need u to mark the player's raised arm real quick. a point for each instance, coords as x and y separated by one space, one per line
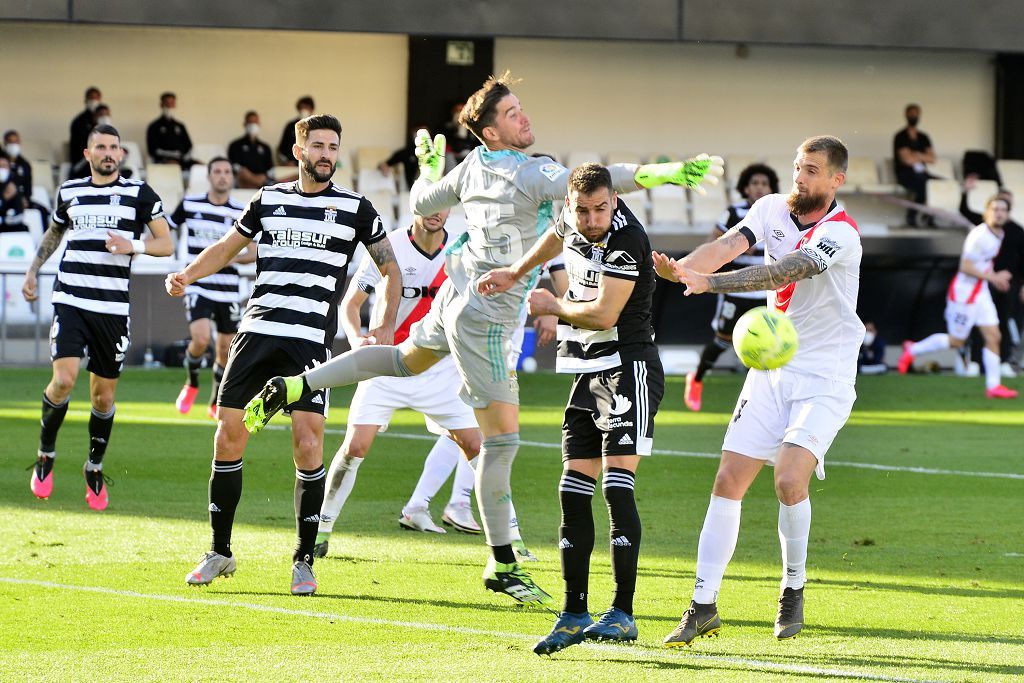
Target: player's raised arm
692 173
209 261
433 191
502 279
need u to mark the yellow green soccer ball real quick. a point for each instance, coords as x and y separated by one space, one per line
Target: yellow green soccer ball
764 339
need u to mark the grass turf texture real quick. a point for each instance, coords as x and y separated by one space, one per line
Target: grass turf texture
911 576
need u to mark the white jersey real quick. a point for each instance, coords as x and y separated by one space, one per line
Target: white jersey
980 248
823 308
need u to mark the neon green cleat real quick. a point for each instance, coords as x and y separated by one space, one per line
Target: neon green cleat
515 582
276 394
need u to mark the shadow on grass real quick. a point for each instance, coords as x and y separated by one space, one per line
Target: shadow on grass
342 598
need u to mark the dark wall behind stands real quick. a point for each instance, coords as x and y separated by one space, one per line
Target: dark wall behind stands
987 25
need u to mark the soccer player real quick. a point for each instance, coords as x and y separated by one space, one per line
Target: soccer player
789 416
607 341
755 181
507 197
103 218
969 302
206 219
305 233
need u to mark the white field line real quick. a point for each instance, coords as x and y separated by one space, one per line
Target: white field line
555 446
635 651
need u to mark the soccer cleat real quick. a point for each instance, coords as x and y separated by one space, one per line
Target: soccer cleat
791 613
211 411
209 568
568 630
419 519
699 621
515 582
320 549
692 392
613 625
275 395
1000 391
95 488
41 482
906 359
303 581
460 516
523 553
186 398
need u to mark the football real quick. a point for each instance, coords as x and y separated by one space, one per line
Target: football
764 339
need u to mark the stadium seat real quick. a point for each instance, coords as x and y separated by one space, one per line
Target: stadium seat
979 194
944 195
367 158
943 167
283 173
668 208
17 246
782 164
242 195
136 159
735 163
705 210
41 195
343 173
204 151
198 179
373 181
1011 171
166 181
384 202
625 158
574 159
35 222
861 172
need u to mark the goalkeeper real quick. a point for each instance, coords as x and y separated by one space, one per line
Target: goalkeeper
509 200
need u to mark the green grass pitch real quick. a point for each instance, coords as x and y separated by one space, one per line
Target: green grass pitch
916 568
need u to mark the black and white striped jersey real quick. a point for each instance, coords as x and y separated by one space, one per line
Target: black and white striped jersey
752 257
205 223
304 243
624 252
89 276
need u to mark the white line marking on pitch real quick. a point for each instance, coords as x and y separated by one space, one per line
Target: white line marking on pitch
637 651
658 451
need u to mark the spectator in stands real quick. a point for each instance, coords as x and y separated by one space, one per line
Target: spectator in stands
21 170
251 156
871 360
12 203
101 114
82 124
305 107
460 142
404 157
167 139
1011 258
912 149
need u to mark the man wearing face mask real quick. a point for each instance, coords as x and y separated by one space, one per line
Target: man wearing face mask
166 138
251 156
304 106
101 115
12 204
83 123
911 150
21 170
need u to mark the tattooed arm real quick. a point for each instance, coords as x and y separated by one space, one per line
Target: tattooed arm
48 245
792 267
391 293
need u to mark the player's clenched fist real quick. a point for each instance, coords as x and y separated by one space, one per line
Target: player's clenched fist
542 302
175 284
28 288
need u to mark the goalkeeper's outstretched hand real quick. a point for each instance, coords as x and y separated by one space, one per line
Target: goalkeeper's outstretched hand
693 173
430 154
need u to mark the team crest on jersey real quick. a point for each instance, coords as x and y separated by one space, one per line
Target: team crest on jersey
115 200
330 213
597 254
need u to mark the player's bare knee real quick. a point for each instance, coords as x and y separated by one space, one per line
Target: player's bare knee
469 443
103 401
790 487
728 484
230 440
61 385
356 448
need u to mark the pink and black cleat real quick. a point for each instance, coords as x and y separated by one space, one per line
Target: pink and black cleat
186 398
1001 391
95 489
42 477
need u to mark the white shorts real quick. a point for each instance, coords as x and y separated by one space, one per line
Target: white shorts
434 394
962 316
776 407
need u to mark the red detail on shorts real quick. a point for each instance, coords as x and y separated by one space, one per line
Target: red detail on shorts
421 308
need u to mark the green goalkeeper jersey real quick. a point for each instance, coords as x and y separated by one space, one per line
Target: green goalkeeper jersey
509 199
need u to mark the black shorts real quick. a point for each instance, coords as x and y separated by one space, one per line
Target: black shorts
611 412
76 331
255 358
225 315
729 310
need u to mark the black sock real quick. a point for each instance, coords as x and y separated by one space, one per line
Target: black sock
100 425
309 498
218 375
709 355
192 365
504 554
53 418
305 386
576 537
225 492
625 534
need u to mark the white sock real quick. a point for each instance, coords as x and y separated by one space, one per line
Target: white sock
438 466
991 361
935 342
494 487
462 487
794 528
340 480
513 524
714 550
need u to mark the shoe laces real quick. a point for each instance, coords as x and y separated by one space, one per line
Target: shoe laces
98 477
787 606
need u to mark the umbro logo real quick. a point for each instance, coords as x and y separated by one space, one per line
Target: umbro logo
214 508
778 234
621 542
564 544
410 270
620 404
625 440
318 400
280 211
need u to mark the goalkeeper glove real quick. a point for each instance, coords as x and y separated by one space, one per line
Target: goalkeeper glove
430 154
689 173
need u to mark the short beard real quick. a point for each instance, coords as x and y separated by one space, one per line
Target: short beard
311 171
98 169
803 204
